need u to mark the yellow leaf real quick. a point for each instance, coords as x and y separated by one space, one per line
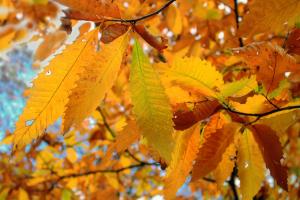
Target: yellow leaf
113 180
255 104
50 90
280 123
225 167
250 165
36 180
23 195
150 104
197 73
6 38
96 79
7 140
184 153
269 16
174 20
71 155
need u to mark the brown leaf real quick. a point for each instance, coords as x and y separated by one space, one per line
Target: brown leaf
157 43
271 150
185 117
113 31
293 42
66 25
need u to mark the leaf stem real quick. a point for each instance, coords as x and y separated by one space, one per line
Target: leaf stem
113 134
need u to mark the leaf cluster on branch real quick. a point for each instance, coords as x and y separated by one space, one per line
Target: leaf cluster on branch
206 91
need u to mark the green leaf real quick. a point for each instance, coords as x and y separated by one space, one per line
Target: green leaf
238 88
66 195
150 104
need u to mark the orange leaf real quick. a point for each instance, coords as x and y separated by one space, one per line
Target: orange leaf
159 44
268 62
269 16
103 8
185 151
271 150
50 44
78 15
123 140
217 137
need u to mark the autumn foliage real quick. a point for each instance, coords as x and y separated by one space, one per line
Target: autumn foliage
137 98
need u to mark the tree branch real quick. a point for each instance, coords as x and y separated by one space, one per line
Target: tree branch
232 183
260 115
74 175
133 21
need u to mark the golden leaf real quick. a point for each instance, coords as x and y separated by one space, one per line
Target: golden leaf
22 194
254 104
174 20
225 167
196 73
250 165
50 90
184 153
95 80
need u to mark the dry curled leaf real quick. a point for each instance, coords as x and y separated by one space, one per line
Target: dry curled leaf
156 42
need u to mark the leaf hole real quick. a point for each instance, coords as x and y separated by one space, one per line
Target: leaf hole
29 122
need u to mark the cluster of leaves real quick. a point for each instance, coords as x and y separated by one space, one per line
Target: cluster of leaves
203 95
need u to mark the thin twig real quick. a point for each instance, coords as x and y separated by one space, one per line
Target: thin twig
107 170
133 21
133 156
112 132
237 16
260 115
274 105
209 179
